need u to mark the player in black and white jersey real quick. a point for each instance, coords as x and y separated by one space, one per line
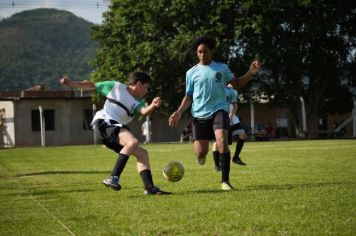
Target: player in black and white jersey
123 103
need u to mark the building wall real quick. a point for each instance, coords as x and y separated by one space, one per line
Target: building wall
68 122
264 114
7 125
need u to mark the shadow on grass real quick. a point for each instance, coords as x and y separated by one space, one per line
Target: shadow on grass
255 188
62 172
269 187
266 188
49 192
181 193
294 186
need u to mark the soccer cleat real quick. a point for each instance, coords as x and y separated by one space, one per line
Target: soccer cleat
201 160
226 186
112 182
155 191
217 169
238 161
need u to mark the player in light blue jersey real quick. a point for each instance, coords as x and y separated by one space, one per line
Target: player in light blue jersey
205 83
122 103
236 132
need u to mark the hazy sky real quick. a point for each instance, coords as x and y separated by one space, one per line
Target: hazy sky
91 10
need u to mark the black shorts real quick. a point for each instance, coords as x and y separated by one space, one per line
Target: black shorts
203 129
108 132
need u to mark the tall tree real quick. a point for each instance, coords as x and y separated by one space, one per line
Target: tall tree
300 39
295 39
156 36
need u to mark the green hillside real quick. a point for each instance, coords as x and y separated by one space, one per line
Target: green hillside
38 46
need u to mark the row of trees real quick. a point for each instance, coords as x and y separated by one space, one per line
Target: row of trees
294 39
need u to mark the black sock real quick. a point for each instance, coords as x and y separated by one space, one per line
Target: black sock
239 145
216 158
225 166
147 180
120 164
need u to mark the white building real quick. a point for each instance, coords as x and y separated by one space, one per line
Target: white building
66 118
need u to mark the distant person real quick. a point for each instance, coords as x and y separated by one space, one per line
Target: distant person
110 124
269 131
187 133
205 83
146 130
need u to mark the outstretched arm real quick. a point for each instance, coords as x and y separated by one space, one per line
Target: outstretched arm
156 102
175 117
242 81
85 85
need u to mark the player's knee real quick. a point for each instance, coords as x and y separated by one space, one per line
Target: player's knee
221 143
201 153
132 144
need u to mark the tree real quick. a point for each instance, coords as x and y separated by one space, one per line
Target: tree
298 39
295 38
155 36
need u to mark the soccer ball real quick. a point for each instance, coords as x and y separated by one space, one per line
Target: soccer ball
173 171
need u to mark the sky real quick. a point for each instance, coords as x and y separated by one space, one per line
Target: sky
90 10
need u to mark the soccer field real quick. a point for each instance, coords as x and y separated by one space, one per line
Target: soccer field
287 188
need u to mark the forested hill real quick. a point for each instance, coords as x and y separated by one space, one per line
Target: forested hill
39 46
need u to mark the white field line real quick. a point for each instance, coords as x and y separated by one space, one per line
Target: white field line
41 206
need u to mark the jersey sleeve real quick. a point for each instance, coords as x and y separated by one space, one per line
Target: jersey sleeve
233 96
104 87
139 106
189 85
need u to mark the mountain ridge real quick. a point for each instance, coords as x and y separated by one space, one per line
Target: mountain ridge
39 46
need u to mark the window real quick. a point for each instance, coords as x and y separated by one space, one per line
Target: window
87 117
48 116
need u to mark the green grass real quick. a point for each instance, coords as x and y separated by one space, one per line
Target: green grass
287 188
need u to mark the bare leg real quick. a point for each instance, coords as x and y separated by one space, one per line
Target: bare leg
216 157
201 149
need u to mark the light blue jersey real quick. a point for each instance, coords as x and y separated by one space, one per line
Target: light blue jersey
206 83
231 95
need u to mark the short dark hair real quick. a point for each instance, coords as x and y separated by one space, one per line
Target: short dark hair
203 40
139 76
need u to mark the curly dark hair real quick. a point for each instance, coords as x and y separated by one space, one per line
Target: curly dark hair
203 40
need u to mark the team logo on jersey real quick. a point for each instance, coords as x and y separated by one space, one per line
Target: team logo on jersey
218 77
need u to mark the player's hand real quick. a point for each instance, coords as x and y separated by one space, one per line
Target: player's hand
174 119
255 67
65 81
157 101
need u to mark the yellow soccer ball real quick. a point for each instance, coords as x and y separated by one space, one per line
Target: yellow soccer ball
173 171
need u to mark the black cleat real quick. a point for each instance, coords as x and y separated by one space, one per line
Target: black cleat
155 191
238 161
112 182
